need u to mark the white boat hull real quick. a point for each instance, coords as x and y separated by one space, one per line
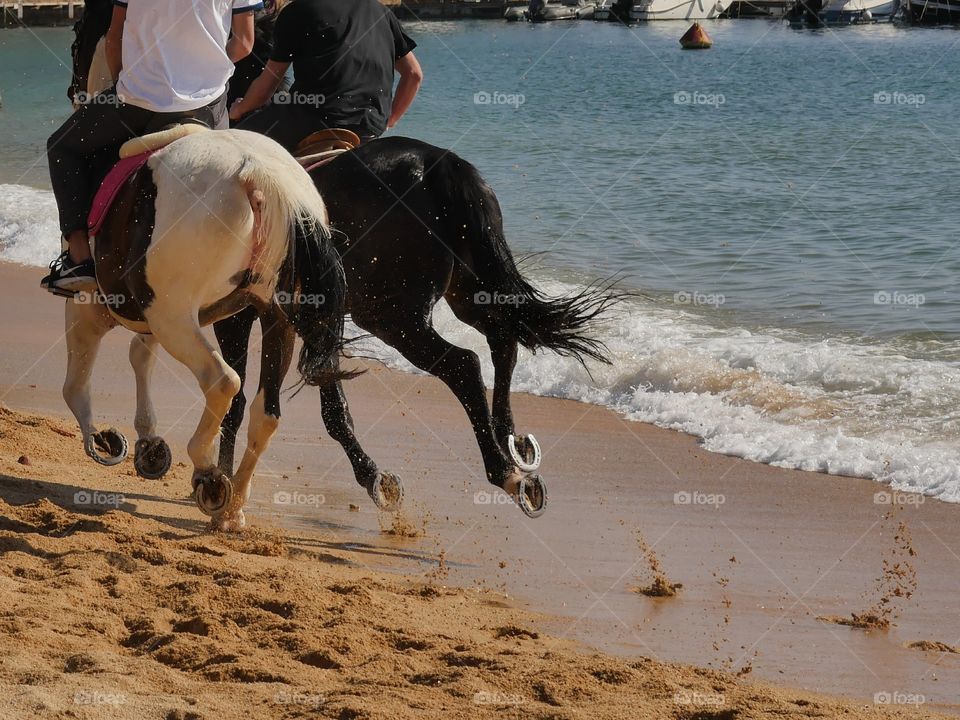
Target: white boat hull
679 9
853 11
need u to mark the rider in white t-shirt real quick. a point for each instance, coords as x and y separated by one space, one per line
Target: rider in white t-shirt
173 59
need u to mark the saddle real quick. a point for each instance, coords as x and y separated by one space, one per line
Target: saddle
321 147
109 252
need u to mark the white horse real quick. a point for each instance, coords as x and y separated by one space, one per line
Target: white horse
213 222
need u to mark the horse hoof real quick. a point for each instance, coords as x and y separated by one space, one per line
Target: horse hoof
532 496
111 442
212 490
524 451
387 492
152 458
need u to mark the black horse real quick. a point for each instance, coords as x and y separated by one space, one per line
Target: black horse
415 223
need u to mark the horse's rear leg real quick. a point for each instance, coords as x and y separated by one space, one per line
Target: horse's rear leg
459 369
385 489
276 355
86 324
233 335
524 450
176 328
152 457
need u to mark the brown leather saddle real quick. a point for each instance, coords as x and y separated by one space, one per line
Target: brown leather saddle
321 147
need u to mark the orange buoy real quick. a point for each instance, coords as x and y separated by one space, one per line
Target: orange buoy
695 38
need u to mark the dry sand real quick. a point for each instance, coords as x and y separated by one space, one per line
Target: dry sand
329 609
124 615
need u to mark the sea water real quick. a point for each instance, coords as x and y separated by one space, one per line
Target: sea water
784 207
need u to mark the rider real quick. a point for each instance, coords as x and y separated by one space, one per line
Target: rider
344 54
172 60
249 68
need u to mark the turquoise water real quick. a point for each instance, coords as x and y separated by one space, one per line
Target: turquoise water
784 204
797 199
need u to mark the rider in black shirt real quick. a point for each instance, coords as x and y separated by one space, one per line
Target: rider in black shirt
344 55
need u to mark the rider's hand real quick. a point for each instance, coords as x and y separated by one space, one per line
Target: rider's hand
236 110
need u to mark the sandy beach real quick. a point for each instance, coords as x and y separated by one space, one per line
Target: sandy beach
462 607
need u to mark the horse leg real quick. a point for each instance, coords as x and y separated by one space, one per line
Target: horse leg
524 450
459 369
177 329
86 324
233 336
385 489
152 457
276 355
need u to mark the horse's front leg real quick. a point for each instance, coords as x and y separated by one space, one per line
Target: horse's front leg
276 356
384 488
152 457
86 324
177 330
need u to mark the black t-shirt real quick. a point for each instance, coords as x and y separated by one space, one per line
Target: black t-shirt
343 54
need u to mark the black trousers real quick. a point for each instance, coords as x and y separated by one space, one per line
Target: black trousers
102 124
289 124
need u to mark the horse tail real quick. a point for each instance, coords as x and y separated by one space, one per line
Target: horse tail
562 324
295 244
319 301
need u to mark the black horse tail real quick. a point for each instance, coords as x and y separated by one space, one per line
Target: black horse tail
315 301
562 324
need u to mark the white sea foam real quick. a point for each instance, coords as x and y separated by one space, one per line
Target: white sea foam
774 396
29 233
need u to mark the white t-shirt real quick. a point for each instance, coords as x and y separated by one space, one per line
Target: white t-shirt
174 52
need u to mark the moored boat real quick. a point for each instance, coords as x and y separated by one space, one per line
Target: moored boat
679 9
545 10
932 12
849 12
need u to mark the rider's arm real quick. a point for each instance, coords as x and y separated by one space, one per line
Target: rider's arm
113 44
261 89
411 77
241 36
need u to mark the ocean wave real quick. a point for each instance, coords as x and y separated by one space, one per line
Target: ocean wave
778 397
771 395
29 232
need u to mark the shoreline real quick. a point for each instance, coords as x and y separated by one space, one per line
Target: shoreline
758 569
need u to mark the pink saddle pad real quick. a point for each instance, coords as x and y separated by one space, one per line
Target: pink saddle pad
109 188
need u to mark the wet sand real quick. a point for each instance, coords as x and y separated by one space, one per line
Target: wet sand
760 552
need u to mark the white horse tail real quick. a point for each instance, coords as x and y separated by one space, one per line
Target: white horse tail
291 231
